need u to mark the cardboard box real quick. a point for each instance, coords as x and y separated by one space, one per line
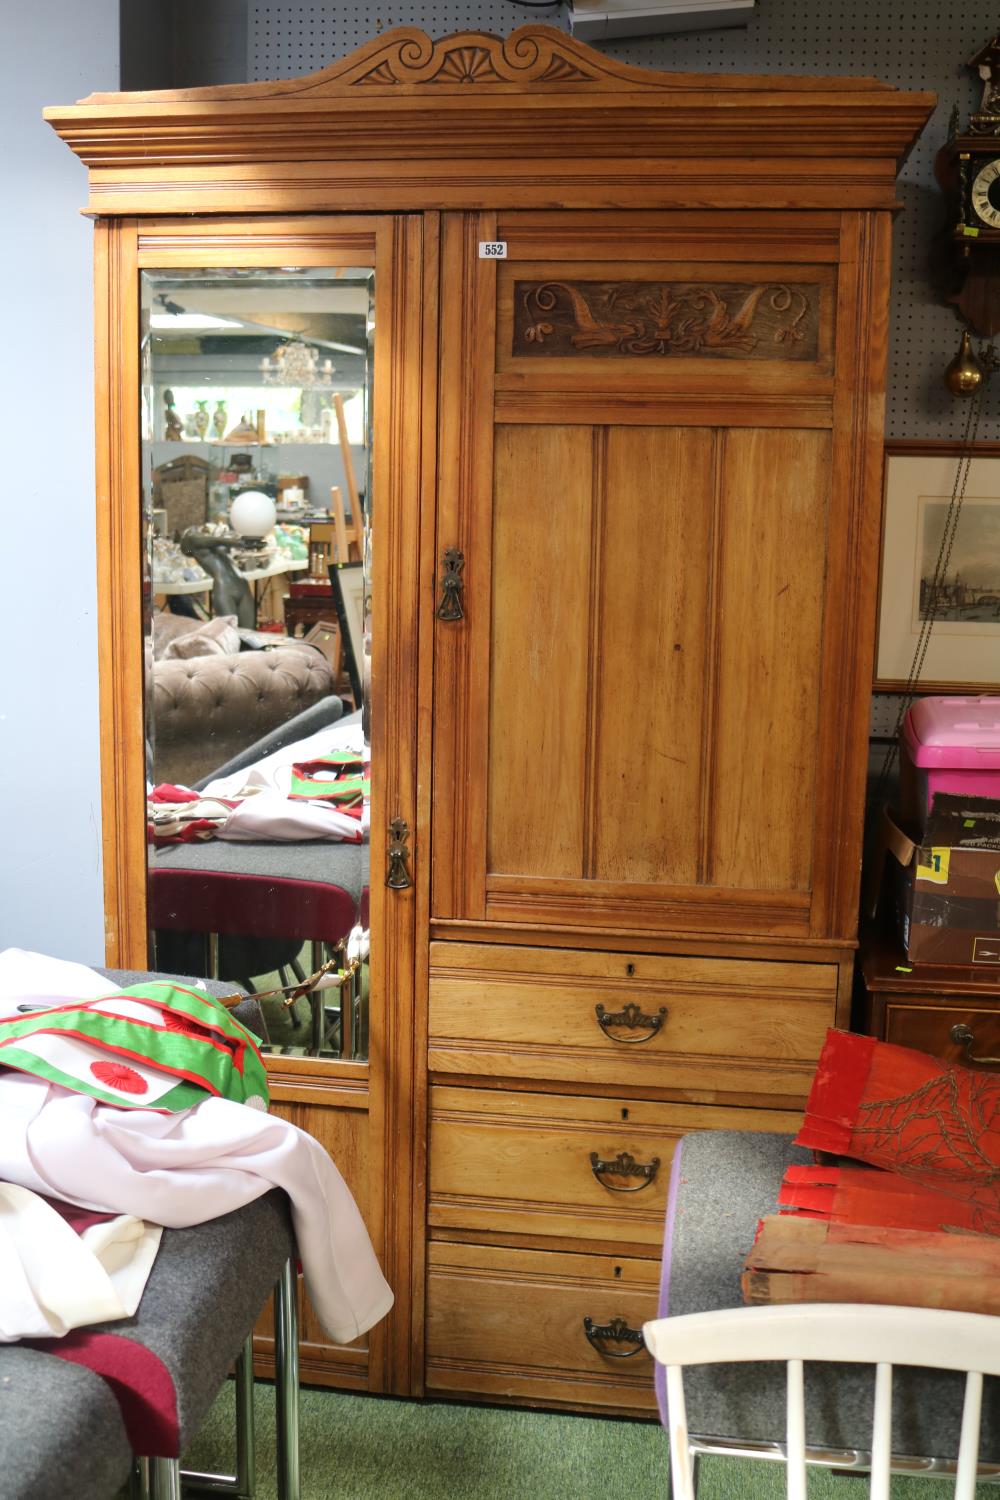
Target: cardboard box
946 882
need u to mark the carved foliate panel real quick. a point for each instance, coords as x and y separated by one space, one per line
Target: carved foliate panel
624 319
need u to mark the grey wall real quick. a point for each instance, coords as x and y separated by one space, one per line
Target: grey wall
54 51
915 44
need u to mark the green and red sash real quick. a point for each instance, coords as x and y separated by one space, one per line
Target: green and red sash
152 1046
338 778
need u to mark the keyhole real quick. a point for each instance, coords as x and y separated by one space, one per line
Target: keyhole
618 1271
624 1114
630 970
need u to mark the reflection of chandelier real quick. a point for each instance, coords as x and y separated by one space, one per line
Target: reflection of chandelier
296 363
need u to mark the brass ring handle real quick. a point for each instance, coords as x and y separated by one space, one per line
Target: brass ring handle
617 1332
632 1018
965 1038
624 1165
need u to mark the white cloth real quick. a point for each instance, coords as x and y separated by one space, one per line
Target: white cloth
269 813
53 1279
184 1168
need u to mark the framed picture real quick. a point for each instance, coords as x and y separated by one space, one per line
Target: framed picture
963 654
348 583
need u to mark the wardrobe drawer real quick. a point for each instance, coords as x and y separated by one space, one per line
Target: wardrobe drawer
508 1325
930 1028
743 1026
547 1164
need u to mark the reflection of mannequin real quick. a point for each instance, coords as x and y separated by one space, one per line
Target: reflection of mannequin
230 592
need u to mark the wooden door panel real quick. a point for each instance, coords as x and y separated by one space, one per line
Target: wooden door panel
656 543
629 730
539 681
775 490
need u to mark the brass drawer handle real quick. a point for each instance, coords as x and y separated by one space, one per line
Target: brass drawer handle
632 1018
616 1332
624 1165
397 876
965 1038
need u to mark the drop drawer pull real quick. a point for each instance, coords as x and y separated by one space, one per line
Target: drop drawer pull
615 1332
632 1018
624 1165
965 1037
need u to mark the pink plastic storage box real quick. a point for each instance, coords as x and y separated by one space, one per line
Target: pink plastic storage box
949 745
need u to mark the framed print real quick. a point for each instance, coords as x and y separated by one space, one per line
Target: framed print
963 653
348 583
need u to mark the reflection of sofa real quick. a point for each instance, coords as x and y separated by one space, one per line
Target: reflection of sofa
205 709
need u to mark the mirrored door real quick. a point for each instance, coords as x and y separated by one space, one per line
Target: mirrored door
258 502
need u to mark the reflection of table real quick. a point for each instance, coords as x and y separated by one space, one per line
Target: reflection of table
257 577
275 566
183 586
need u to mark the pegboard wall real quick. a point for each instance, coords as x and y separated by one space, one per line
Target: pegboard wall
921 44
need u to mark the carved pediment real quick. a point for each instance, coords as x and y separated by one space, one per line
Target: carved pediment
474 120
533 54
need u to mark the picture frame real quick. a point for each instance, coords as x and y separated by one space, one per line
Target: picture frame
963 654
348 583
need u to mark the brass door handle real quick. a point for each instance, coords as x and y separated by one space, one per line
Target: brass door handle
965 1038
630 1018
615 1332
624 1165
452 603
397 875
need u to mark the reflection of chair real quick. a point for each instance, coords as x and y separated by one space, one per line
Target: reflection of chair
234 924
180 487
206 709
733 1398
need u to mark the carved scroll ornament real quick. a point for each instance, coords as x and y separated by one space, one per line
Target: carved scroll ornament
775 320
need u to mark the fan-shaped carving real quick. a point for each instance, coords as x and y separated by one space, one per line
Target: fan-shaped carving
533 54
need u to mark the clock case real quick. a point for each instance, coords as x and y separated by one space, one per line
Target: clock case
966 257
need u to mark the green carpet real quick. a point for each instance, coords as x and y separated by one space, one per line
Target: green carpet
377 1448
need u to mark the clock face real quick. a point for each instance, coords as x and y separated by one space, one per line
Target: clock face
985 194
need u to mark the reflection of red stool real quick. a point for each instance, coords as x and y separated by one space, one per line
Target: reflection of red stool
224 904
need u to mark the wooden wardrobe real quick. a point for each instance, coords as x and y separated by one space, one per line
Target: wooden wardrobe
630 365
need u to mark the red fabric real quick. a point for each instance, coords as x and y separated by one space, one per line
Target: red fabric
167 793
902 1110
139 1380
851 1194
78 1219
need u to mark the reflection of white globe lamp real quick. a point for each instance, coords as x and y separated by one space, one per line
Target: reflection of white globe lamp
252 514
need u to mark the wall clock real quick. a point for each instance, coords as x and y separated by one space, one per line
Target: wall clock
968 171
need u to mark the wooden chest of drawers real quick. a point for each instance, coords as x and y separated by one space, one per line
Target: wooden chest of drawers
949 1011
560 1081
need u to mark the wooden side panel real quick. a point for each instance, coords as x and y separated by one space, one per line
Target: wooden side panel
345 1135
651 646
770 608
119 594
464 521
406 318
540 670
508 1325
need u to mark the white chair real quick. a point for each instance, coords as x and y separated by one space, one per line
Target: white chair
844 1333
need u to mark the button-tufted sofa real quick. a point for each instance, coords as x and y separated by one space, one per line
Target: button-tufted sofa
205 709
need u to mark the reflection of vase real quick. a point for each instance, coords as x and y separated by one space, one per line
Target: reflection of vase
172 418
201 419
219 420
